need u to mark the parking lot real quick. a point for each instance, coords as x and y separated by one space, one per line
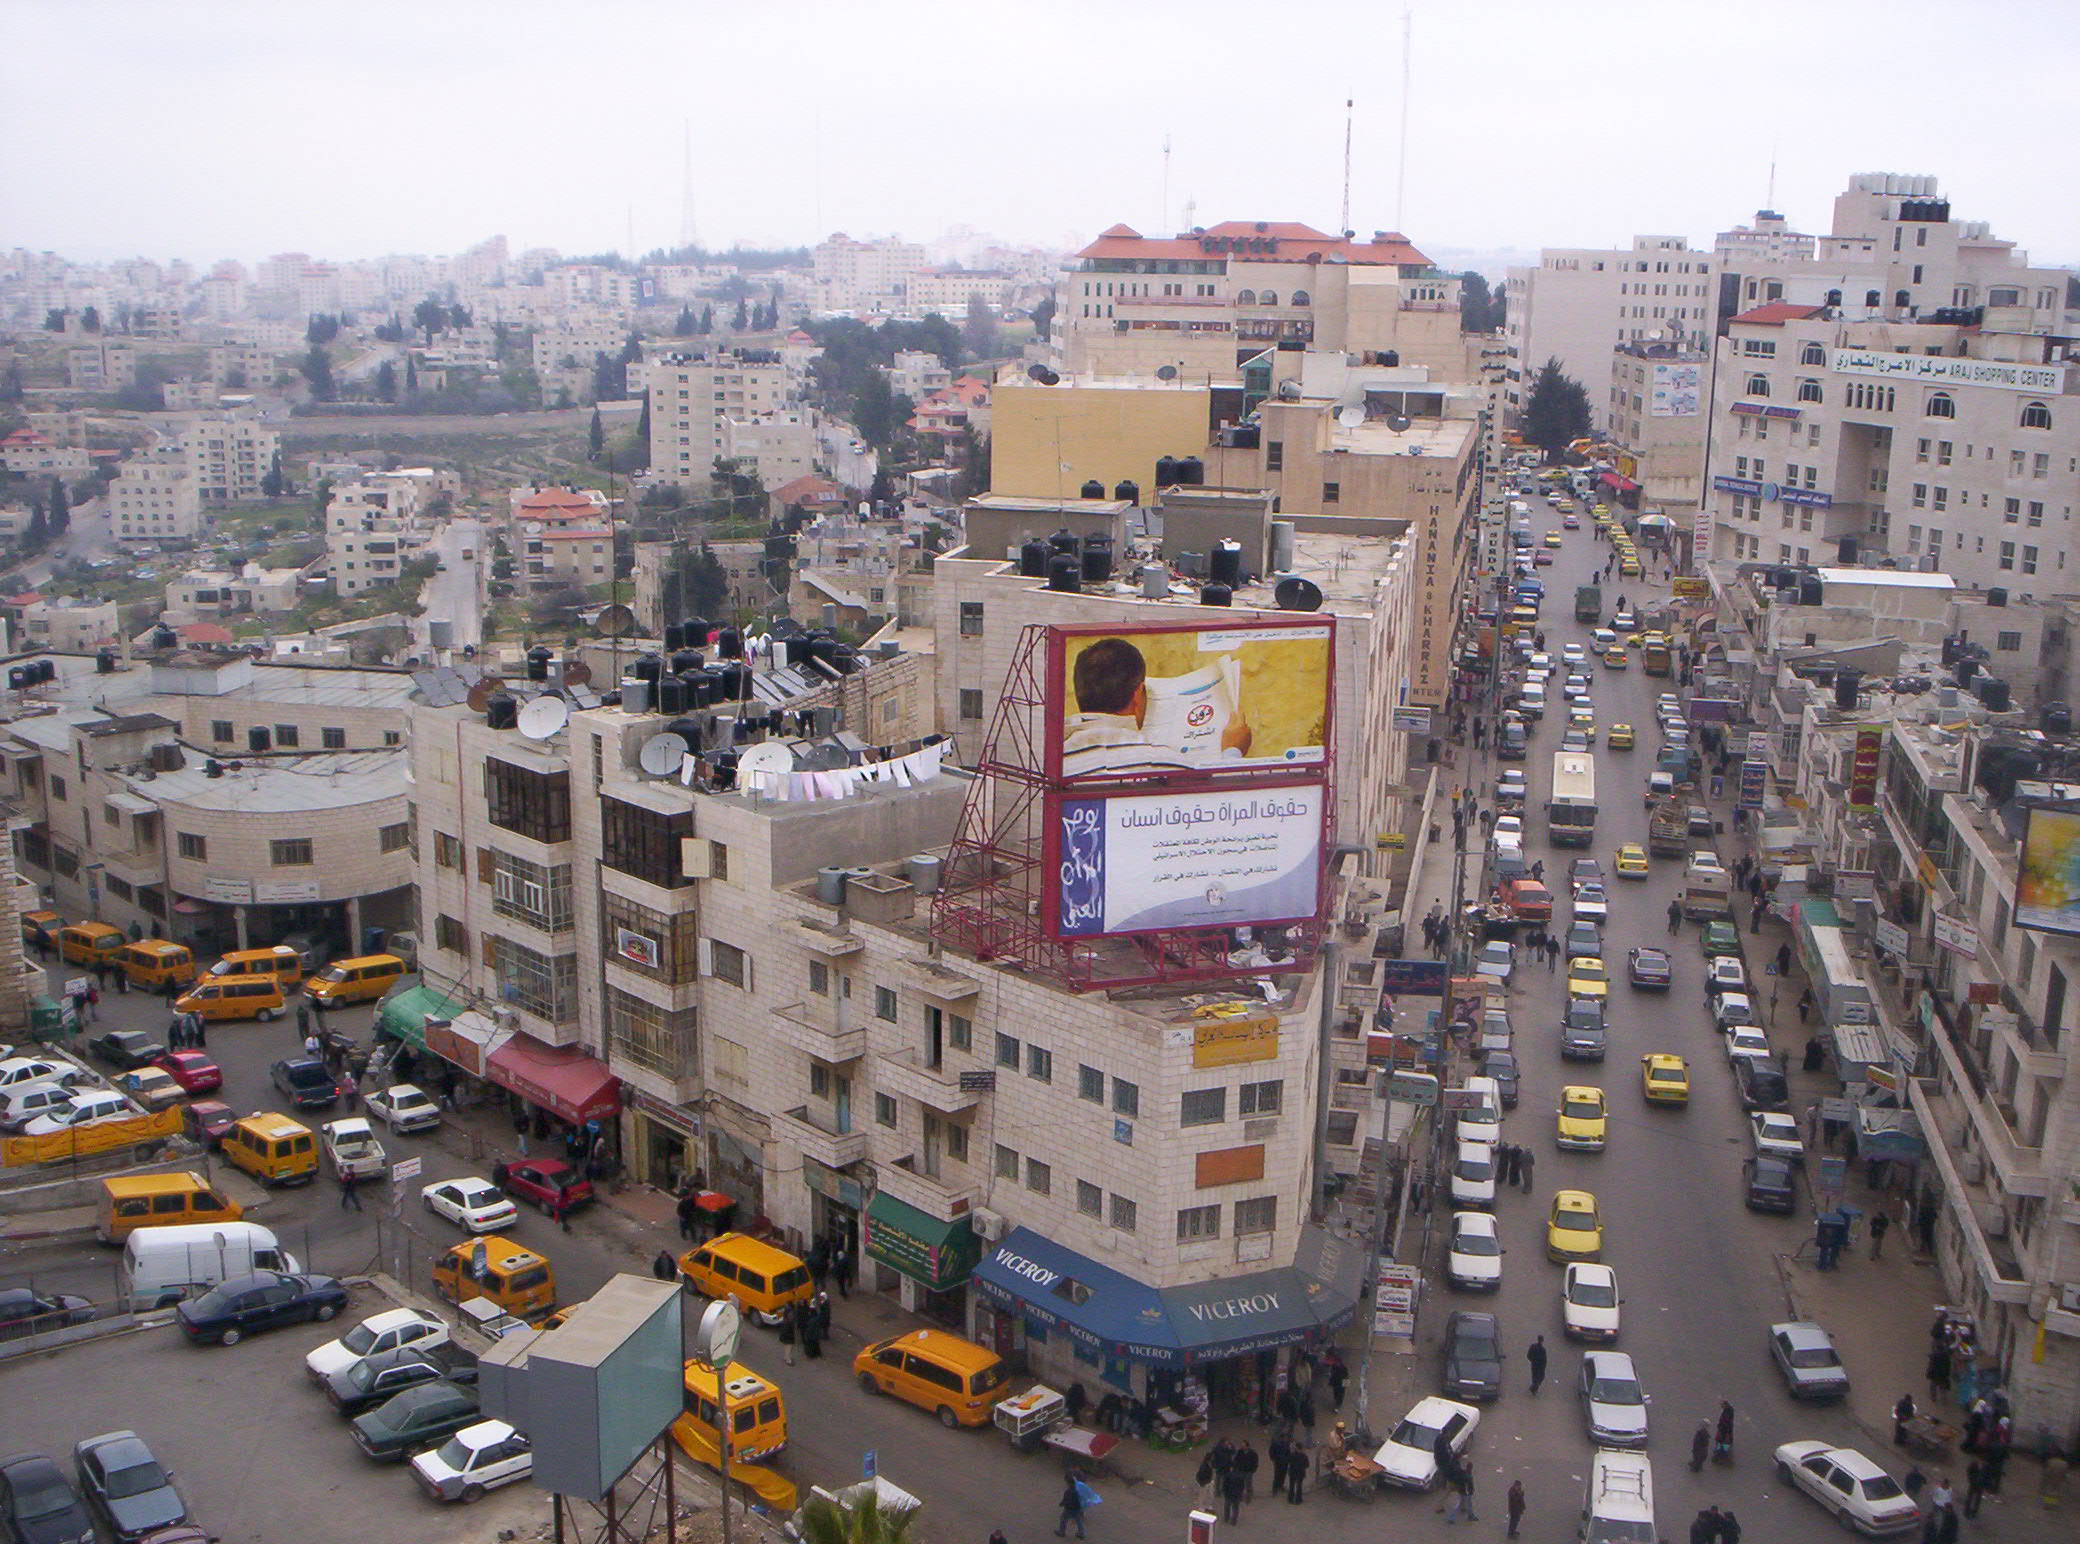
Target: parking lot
253 1446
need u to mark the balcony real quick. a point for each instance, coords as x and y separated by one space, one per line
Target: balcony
933 1197
806 1130
1972 1200
936 1088
2020 1169
814 1028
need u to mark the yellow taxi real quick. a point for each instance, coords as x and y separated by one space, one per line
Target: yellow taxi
1620 737
1615 657
1632 861
1604 510
1574 1229
1664 1078
1588 977
1628 566
1564 505
1552 538
1583 1120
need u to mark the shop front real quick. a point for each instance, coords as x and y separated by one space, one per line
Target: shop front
931 1260
463 1044
836 1200
664 1141
571 1095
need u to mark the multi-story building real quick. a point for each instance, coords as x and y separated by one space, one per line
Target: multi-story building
229 455
864 275
567 352
780 446
948 291
219 592
155 497
101 366
1659 422
27 453
66 625
244 366
374 521
1770 240
1579 304
915 374
692 395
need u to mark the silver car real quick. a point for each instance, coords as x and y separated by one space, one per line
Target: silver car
1806 1357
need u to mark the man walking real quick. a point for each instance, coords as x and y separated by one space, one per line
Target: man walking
1516 1506
350 1192
1232 1485
1879 1224
1525 1159
1072 1510
1462 1494
1535 1354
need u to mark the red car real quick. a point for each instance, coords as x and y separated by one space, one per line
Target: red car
548 1183
206 1121
195 1073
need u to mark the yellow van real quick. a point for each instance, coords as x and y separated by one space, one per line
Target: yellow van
133 1201
233 997
520 1281
154 964
35 922
758 1278
272 1148
90 943
281 963
359 980
757 1414
955 1379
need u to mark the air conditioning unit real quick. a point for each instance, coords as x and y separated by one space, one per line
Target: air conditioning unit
1994 1222
504 1017
1971 1168
989 1226
2069 1296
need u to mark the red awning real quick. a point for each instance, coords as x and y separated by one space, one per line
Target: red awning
561 1079
1622 484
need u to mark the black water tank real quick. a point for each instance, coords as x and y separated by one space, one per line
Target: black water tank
1191 471
1097 559
700 690
259 738
1996 596
1811 592
1216 595
799 651
1064 541
166 638
1782 578
696 631
1127 491
105 662
1092 489
1846 681
1953 647
1994 693
46 670
1032 559
1064 573
673 696
1846 551
847 659
502 711
647 667
1967 667
538 659
684 660
18 678
1166 472
2056 718
729 643
675 637
1225 564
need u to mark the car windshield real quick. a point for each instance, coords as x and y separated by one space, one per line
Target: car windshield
456 1454
1881 1487
135 1480
214 1301
1814 1356
1615 1391
40 1493
1414 1434
361 1375
1608 1530
1476 1342
1478 1244
1575 1222
359 1340
1594 1294
1474 1168
1584 1015
1582 1109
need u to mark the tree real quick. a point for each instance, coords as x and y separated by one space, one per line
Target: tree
979 331
321 328
90 319
1480 309
317 370
275 484
1043 318
707 320
60 508
458 317
12 387
643 423
684 326
321 495
430 316
411 375
595 437
386 381
704 583
743 319
1557 412
54 319
865 1521
39 530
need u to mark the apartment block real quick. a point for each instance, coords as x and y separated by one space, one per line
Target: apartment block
864 275
692 395
781 446
1659 423
229 456
101 366
27 453
376 520
155 498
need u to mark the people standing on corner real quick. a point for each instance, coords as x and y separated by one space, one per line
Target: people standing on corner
789 1318
1526 1159
1232 1486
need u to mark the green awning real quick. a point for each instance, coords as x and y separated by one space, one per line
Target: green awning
938 1254
403 1015
1816 911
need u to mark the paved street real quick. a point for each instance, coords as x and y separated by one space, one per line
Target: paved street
456 592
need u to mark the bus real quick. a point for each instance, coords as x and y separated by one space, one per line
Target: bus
1654 654
1571 812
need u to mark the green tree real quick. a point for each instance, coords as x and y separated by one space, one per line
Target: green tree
90 319
411 375
321 328
979 331
1043 318
1480 309
743 319
704 583
643 423
707 320
60 508
865 1521
12 387
317 370
275 484
458 317
684 326
39 529
430 316
595 437
321 495
54 319
1557 412
386 381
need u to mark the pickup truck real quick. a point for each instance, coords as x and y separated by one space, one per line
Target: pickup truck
1588 603
1668 830
352 1149
367 1382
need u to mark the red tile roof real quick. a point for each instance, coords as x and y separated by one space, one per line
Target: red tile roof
1290 242
1777 313
557 498
204 632
807 488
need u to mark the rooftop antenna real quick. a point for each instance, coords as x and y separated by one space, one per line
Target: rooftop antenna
1769 200
1165 225
686 185
1401 170
1344 224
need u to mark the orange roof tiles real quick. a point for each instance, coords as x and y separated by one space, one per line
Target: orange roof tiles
1289 241
1778 312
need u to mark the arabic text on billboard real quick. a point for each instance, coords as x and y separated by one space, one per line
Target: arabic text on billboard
1863 769
1140 701
1132 864
1935 370
1677 391
2048 896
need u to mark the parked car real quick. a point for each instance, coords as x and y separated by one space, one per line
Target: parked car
126 1486
23 1312
1502 1067
1613 1404
39 1505
206 1121
1760 1080
1589 1301
1862 1496
1473 1259
402 1107
549 1184
123 1049
375 1378
305 1082
1769 1185
265 1300
1408 1458
1496 960
1776 1136
1805 1356
25 1102
473 1205
1473 1356
384 1331
1472 1181
476 1459
151 1087
415 1420
195 1072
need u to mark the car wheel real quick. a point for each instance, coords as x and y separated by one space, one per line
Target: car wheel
1783 1472
231 1337
265 1015
471 1493
867 1383
1847 1521
326 1312
947 1418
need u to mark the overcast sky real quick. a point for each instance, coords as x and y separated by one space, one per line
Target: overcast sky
212 128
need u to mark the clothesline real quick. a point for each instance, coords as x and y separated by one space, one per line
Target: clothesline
919 766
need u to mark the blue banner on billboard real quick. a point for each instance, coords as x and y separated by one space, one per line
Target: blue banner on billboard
1754 784
1412 978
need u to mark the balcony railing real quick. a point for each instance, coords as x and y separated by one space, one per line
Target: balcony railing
1998 1269
810 1132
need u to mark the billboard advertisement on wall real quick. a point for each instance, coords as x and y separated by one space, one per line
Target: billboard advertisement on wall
1140 702
1863 768
2047 898
1677 391
1223 857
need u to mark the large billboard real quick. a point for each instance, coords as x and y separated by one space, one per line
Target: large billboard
2047 898
1677 391
1222 857
1137 702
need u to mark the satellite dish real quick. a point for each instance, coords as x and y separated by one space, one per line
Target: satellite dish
1166 372
1296 594
1043 375
1399 422
661 754
614 622
1350 417
769 757
824 758
482 693
576 673
544 716
1289 390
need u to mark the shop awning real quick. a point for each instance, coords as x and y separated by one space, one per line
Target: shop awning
1076 1295
467 1040
1622 484
938 1254
403 1015
1857 1046
563 1080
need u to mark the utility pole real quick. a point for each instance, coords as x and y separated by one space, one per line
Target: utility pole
1401 171
1344 223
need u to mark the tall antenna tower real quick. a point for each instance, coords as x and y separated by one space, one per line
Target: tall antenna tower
686 233
1344 223
1164 224
1401 170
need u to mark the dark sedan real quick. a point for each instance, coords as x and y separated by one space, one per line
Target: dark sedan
1502 1067
1473 1356
1585 941
304 1082
364 1384
1770 1184
38 1504
265 1300
23 1312
206 1120
126 1486
1582 1036
1651 970
123 1049
415 1420
547 1183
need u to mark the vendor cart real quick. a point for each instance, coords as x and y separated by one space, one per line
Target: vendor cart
1354 1476
1040 1418
1926 1437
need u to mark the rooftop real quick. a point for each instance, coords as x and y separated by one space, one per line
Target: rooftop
1778 312
286 785
1267 241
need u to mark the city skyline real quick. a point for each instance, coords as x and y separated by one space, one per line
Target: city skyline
408 105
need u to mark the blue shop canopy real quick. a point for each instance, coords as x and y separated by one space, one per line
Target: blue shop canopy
1073 1293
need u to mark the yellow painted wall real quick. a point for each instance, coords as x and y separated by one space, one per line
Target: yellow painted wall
1107 432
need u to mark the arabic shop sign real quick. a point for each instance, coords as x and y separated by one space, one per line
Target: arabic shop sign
1934 370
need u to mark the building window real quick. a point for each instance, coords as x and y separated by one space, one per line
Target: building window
1813 353
956 1142
286 737
447 851
2029 560
1809 391
1125 1215
971 619
1261 1098
58 789
642 843
1275 456
1198 1222
658 1040
1007 1051
532 804
2036 415
1006 1162
1758 386
2009 643
64 861
1126 1098
971 703
450 934
529 892
726 962
2036 513
1300 298
1257 1216
1039 1177
885 1111
1203 1107
188 844
393 737
1332 492
1940 405
819 978
1090 1084
2011 511
1090 1200
220 730
294 852
544 985
333 739
394 838
1039 1064
960 1032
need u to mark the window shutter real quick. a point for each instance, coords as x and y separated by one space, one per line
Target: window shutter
487 865
707 957
694 858
490 941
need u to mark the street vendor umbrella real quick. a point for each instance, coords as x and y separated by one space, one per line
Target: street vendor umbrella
1656 523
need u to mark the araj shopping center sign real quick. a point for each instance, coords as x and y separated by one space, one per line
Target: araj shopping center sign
1936 370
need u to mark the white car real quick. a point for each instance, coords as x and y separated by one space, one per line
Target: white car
1734 1008
1408 1458
1541 662
403 1107
1745 1040
1603 638
152 1087
19 1070
1862 1495
351 1146
1496 960
1727 973
1777 1135
476 1459
1592 905
1510 826
1613 1403
1589 1302
1473 1175
89 1109
24 1102
1573 653
1474 1257
473 1205
385 1331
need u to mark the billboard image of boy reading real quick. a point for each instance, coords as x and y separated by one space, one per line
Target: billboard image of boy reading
1125 722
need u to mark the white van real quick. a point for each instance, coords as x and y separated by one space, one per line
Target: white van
161 1266
1618 1499
1531 699
1480 1113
